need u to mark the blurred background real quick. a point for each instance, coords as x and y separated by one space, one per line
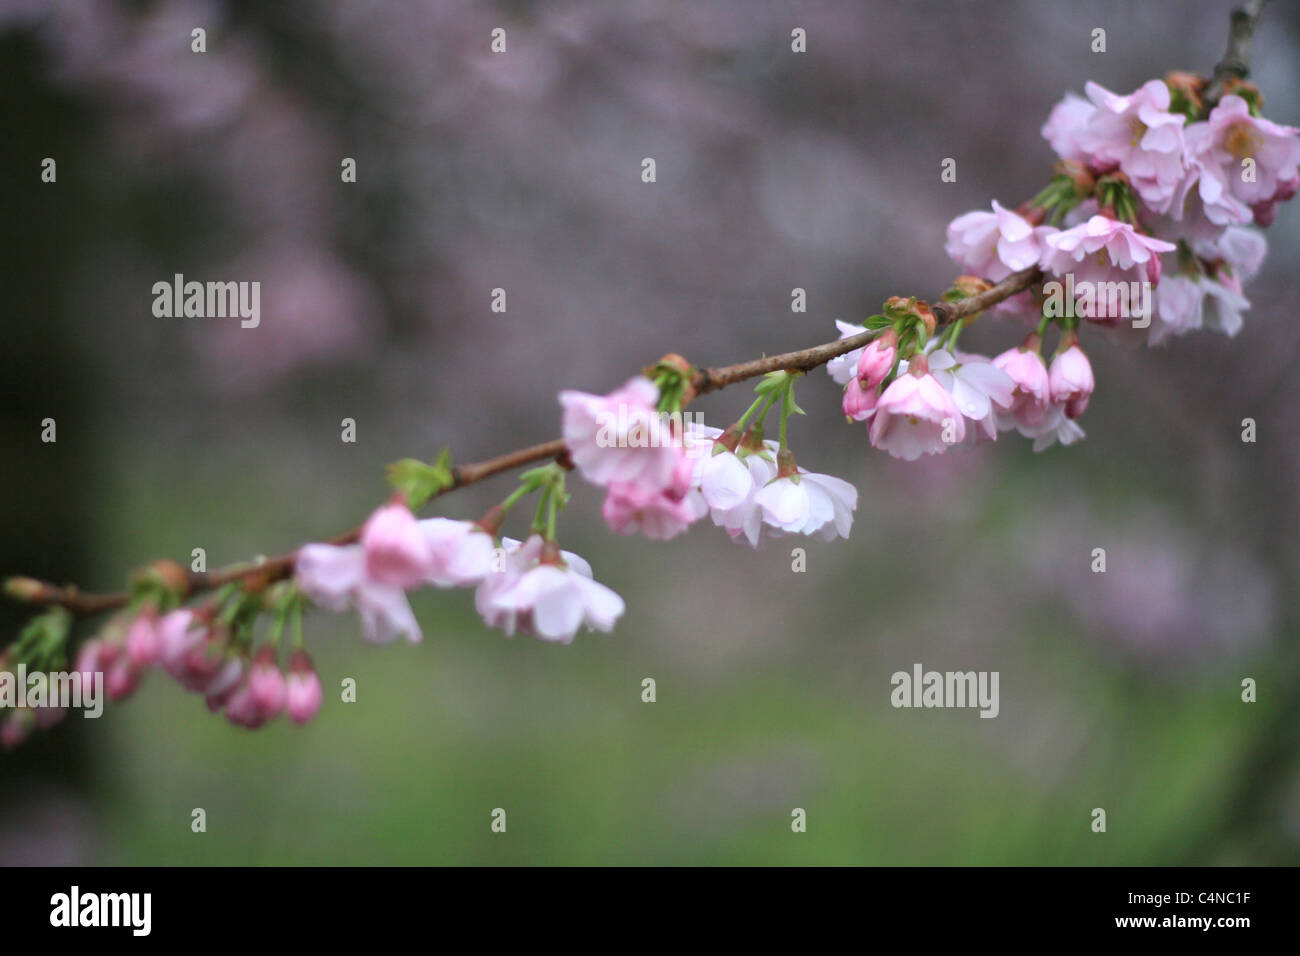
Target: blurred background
521 171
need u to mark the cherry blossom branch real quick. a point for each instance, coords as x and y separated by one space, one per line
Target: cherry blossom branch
945 313
267 571
1233 67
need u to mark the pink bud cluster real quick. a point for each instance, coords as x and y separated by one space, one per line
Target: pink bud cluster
199 653
700 470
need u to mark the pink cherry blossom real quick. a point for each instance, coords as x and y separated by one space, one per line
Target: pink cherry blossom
462 552
995 244
660 513
1187 302
203 660
1055 426
915 414
978 387
1101 257
1241 249
1231 136
1204 200
396 551
1070 377
334 577
743 520
808 503
547 593
1032 394
1139 134
621 436
1064 124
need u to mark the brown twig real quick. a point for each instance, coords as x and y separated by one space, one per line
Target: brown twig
1236 61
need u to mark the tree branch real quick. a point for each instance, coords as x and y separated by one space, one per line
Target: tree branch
1235 64
269 570
1236 61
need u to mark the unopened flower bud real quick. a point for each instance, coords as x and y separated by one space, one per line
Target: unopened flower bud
266 683
303 692
971 285
24 589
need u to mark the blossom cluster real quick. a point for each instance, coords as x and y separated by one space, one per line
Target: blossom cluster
746 484
204 651
527 587
1139 177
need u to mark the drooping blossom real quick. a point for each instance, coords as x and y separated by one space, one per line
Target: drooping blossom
658 513
1239 248
808 503
1070 377
621 436
334 577
396 551
1187 302
735 507
1065 123
979 387
243 709
916 415
1243 161
1141 136
994 244
1032 394
462 552
1055 427
1105 250
546 592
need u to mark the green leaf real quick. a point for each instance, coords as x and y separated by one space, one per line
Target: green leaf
420 481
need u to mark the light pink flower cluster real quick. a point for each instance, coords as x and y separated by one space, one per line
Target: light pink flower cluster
937 399
748 493
625 444
200 655
1138 180
1197 184
545 592
397 553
